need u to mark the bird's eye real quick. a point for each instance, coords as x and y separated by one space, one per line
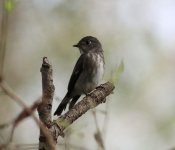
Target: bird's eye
88 42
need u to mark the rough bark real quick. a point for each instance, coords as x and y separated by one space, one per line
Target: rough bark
45 107
93 99
57 127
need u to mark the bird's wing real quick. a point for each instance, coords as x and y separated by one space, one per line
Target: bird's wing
76 72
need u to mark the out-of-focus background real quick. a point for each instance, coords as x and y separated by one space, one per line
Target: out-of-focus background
141 112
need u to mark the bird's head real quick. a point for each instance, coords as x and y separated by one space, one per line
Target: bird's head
89 44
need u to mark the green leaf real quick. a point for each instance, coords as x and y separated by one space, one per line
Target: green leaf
61 122
115 75
9 5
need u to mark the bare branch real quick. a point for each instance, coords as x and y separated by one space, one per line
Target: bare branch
9 92
45 108
3 37
57 127
98 136
90 101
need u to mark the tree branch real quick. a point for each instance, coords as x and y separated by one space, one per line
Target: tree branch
92 100
57 127
3 37
45 107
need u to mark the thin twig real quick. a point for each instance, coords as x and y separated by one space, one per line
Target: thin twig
34 146
67 139
20 102
98 135
3 37
106 119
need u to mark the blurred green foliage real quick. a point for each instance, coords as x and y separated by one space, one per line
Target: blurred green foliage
116 73
9 5
141 32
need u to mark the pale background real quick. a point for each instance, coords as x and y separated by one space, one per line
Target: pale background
141 112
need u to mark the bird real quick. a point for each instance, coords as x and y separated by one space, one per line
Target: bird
87 73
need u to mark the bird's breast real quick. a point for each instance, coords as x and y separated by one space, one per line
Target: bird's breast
98 70
92 74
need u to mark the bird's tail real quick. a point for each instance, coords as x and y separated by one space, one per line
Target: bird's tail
74 100
62 106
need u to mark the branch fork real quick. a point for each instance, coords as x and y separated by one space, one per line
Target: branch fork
57 126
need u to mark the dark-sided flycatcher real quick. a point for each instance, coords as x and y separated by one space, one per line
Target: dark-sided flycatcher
87 72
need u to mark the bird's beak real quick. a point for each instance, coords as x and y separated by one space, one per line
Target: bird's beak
76 45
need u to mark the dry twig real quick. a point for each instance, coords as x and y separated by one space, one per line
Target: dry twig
57 127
